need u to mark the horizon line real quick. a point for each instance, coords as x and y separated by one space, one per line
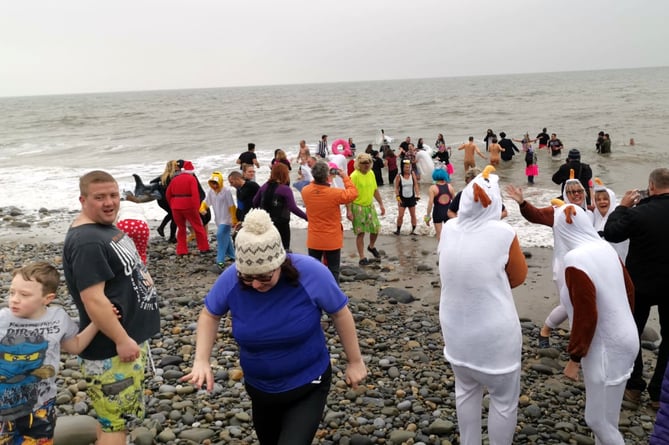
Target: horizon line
122 91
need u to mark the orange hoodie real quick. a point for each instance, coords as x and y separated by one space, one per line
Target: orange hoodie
323 202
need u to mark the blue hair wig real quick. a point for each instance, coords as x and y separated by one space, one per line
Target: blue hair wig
439 174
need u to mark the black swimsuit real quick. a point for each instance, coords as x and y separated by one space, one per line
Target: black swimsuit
440 211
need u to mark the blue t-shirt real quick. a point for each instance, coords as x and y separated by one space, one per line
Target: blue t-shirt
281 341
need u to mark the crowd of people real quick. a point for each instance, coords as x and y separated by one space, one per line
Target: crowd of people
608 266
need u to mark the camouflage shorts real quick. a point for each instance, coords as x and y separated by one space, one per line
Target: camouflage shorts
116 390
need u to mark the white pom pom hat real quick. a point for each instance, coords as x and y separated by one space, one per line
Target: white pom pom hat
258 246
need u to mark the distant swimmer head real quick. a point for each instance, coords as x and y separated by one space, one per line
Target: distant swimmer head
574 155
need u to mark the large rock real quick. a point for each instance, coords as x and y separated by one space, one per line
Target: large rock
396 294
75 430
197 435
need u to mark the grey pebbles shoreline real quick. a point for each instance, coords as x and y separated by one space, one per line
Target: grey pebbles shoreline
408 397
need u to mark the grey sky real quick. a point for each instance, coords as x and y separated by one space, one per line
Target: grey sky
69 46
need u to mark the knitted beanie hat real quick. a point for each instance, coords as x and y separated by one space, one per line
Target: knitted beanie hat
258 246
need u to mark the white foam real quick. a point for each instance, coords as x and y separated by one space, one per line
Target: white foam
56 188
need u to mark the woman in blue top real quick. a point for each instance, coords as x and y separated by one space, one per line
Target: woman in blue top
275 302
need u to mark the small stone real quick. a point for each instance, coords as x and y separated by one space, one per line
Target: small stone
236 374
441 427
400 436
532 411
404 405
197 435
166 435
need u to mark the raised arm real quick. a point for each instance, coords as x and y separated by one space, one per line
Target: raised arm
621 222
543 215
350 192
287 193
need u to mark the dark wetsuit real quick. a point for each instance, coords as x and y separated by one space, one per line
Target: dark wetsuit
543 139
442 156
509 147
440 204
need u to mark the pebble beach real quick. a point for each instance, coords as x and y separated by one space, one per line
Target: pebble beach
408 397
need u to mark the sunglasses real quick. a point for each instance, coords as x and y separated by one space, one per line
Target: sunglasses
261 278
575 192
365 163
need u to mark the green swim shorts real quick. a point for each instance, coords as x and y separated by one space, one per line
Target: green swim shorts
365 219
116 390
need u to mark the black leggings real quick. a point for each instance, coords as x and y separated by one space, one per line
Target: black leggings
642 306
332 260
291 417
283 226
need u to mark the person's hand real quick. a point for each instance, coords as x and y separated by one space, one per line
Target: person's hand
355 373
427 219
349 215
571 370
116 312
383 210
515 193
128 350
200 375
630 198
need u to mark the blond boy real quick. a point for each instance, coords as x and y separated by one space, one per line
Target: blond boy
32 334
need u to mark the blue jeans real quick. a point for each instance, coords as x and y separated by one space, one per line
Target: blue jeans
299 185
225 246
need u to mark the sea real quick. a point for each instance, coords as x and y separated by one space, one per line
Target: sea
47 142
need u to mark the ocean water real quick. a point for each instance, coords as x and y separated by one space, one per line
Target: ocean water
47 142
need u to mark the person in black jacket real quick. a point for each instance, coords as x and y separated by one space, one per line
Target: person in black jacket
488 138
642 220
509 147
161 183
582 172
246 190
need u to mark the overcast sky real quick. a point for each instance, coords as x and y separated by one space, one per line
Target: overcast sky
71 46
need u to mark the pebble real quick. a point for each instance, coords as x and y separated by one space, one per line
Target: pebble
408 396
